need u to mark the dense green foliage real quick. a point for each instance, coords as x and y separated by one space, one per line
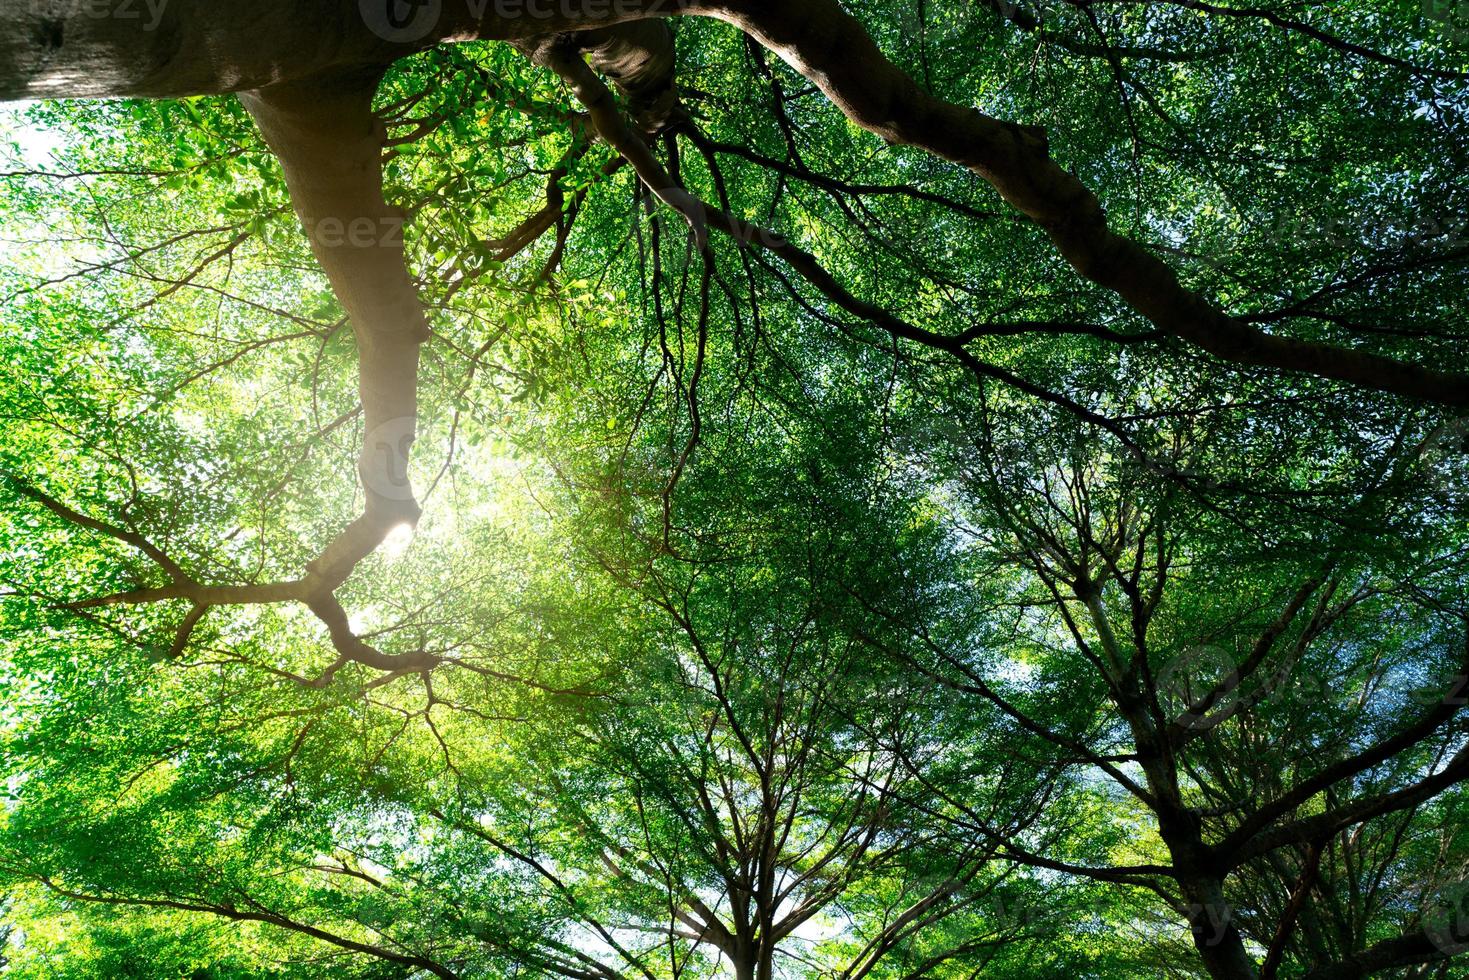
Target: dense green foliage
752 617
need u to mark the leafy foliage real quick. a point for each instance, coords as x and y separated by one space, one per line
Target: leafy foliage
769 639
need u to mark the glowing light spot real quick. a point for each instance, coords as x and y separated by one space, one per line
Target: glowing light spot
396 543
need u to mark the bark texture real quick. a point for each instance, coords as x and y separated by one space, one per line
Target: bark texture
331 144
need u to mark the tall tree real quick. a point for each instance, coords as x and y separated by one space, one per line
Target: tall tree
698 493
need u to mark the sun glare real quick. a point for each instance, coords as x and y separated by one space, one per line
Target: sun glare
396 543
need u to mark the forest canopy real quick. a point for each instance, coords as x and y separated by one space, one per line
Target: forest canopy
958 489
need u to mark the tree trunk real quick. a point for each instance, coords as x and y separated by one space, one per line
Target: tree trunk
76 49
331 147
1211 919
744 962
152 48
1216 936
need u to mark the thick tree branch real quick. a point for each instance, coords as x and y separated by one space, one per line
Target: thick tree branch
832 49
202 47
1325 825
1252 836
1408 950
256 914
